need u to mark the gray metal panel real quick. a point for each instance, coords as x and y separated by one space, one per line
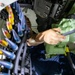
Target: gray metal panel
42 8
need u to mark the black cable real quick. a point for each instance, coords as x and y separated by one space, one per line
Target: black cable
71 62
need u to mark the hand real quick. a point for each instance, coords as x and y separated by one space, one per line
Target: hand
52 36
